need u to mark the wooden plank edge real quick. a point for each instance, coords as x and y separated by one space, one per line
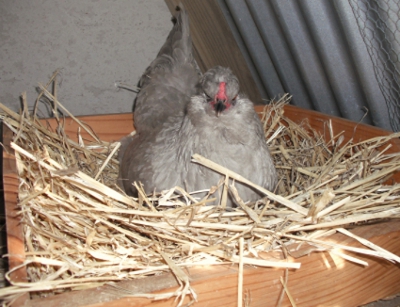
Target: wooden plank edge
15 236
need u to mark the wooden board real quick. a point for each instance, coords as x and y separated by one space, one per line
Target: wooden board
214 43
15 238
321 281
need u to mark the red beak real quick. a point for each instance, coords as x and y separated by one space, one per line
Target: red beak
220 99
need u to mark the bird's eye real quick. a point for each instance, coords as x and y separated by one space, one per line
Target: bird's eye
234 99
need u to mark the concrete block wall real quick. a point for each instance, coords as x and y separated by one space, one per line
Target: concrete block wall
94 42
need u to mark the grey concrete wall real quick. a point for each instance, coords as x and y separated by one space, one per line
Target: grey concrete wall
94 42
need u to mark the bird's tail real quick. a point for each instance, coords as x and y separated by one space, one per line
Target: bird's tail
176 51
168 83
179 43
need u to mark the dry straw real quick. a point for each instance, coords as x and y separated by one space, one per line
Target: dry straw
82 231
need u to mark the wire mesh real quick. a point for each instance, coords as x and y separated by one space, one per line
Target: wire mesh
379 25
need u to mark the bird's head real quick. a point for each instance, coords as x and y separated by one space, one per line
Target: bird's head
220 88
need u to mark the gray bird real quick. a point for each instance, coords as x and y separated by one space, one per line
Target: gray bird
179 113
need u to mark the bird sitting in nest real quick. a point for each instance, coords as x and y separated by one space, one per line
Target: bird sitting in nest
179 112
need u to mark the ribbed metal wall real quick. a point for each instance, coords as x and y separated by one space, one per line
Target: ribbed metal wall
311 49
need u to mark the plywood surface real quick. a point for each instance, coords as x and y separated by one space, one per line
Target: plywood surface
321 281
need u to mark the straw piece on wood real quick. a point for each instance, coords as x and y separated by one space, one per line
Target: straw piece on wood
348 257
240 273
371 245
292 301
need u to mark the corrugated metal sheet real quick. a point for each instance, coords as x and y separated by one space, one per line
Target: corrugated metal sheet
312 49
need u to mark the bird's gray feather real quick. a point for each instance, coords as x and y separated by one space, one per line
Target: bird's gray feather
174 120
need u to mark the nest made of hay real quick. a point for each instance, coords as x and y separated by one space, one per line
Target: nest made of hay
81 230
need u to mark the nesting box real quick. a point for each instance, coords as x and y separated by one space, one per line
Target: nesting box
319 282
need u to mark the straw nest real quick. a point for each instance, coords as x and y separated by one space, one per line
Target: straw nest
82 231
